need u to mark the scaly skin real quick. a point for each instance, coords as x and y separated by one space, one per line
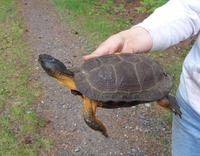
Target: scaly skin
89 114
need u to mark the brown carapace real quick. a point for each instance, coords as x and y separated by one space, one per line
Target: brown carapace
113 81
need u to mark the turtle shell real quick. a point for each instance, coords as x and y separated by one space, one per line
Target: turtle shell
123 77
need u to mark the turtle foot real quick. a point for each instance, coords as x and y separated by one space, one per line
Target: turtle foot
170 102
174 105
97 125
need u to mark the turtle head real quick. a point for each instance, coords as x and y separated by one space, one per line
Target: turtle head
53 66
56 69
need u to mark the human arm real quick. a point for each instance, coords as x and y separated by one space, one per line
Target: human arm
175 21
132 40
168 25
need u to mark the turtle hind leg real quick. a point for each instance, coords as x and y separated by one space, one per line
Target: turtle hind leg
89 111
170 102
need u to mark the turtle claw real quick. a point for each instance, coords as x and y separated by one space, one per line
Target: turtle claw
173 104
177 112
96 125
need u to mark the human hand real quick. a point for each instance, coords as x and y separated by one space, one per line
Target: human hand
133 40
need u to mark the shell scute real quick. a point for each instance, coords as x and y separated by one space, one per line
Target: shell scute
103 78
127 77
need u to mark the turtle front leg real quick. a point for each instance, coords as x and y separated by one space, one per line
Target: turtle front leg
89 114
170 103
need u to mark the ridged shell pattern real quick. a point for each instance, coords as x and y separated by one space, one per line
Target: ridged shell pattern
123 77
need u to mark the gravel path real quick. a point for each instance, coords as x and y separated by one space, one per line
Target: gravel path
133 131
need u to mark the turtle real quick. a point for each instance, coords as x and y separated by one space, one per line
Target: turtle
114 81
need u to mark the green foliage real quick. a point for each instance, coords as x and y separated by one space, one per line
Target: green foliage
78 6
6 9
148 6
94 19
18 121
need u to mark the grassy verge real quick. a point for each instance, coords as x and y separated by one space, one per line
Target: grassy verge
95 20
19 124
148 6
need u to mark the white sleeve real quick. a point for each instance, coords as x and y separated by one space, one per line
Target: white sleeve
175 21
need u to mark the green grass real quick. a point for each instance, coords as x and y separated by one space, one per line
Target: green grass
6 8
93 19
18 120
148 6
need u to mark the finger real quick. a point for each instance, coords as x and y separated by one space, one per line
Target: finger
101 50
111 45
90 56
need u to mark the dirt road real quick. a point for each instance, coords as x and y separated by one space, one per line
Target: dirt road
133 131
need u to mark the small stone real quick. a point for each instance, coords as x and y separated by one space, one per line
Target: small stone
77 149
133 150
42 102
126 136
28 112
147 104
